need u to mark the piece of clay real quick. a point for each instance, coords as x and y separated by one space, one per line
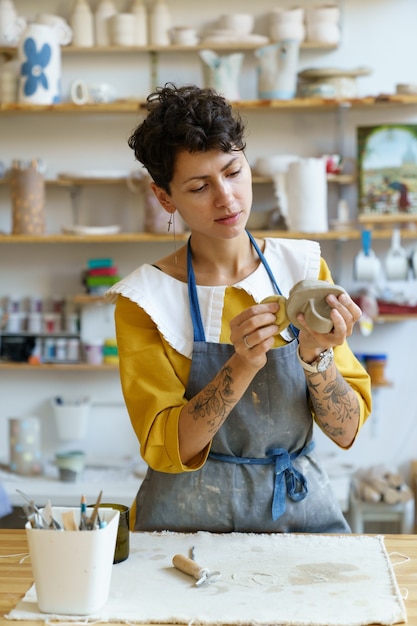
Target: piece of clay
309 297
282 318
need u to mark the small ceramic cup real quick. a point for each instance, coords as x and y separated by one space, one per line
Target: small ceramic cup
396 265
70 465
367 266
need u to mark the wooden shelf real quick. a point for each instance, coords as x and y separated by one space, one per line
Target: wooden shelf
391 318
10 51
331 235
341 179
370 219
134 106
9 365
86 298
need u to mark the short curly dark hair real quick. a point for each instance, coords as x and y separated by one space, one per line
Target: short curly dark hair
184 118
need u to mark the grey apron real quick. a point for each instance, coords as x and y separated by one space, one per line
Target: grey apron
261 475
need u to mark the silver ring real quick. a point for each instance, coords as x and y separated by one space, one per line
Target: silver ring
246 342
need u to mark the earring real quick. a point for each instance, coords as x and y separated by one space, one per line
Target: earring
171 222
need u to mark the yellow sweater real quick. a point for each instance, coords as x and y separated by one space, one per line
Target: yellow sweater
154 377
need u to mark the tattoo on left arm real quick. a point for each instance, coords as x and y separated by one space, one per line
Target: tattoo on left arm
332 401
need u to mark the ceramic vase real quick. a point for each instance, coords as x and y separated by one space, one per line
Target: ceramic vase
160 24
25 445
287 24
141 28
105 10
82 24
11 25
322 24
222 72
39 56
277 70
27 189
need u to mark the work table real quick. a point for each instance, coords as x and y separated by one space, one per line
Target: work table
16 574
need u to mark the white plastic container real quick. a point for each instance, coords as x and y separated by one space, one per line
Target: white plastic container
71 417
72 569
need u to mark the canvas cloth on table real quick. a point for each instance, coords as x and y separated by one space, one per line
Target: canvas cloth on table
296 580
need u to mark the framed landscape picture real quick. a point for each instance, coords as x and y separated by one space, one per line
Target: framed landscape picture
387 169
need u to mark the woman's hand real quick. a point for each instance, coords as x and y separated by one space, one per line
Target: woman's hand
345 313
252 333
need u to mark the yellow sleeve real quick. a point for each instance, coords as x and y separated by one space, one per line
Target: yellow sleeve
153 377
351 369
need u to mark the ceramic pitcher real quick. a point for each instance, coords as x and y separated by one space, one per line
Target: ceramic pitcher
11 25
222 72
39 55
277 70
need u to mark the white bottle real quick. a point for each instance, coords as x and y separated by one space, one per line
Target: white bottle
141 30
160 24
82 24
105 10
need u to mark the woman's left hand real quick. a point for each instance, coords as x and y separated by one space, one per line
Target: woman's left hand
345 313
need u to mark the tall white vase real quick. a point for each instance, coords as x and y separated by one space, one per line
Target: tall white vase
160 24
139 10
82 24
39 56
105 10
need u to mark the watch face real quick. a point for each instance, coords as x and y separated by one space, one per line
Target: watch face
326 359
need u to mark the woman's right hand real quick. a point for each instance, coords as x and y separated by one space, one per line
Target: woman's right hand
252 332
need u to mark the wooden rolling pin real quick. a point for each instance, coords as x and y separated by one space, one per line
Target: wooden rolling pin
190 567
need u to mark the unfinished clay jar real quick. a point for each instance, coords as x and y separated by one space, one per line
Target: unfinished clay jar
309 297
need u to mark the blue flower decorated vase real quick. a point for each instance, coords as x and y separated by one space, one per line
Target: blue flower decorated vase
39 55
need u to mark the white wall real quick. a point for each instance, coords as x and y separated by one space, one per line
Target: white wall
376 33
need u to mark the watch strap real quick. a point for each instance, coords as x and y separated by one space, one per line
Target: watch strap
314 367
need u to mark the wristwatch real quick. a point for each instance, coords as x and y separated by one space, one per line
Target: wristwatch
323 361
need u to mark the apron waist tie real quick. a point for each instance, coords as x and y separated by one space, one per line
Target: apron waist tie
288 480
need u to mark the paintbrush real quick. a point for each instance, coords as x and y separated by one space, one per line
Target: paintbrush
92 521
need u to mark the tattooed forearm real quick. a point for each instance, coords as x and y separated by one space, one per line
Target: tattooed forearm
334 403
216 401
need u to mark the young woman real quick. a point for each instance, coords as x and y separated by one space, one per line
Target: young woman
223 405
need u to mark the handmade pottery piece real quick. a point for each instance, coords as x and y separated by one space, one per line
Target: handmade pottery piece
277 70
307 297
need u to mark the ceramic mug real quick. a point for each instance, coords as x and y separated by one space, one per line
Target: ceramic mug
333 163
396 265
367 266
82 93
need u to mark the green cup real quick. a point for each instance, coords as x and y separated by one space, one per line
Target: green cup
123 535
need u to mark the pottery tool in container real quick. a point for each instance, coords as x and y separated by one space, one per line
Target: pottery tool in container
188 566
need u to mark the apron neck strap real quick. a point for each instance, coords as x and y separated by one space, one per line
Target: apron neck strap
199 334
